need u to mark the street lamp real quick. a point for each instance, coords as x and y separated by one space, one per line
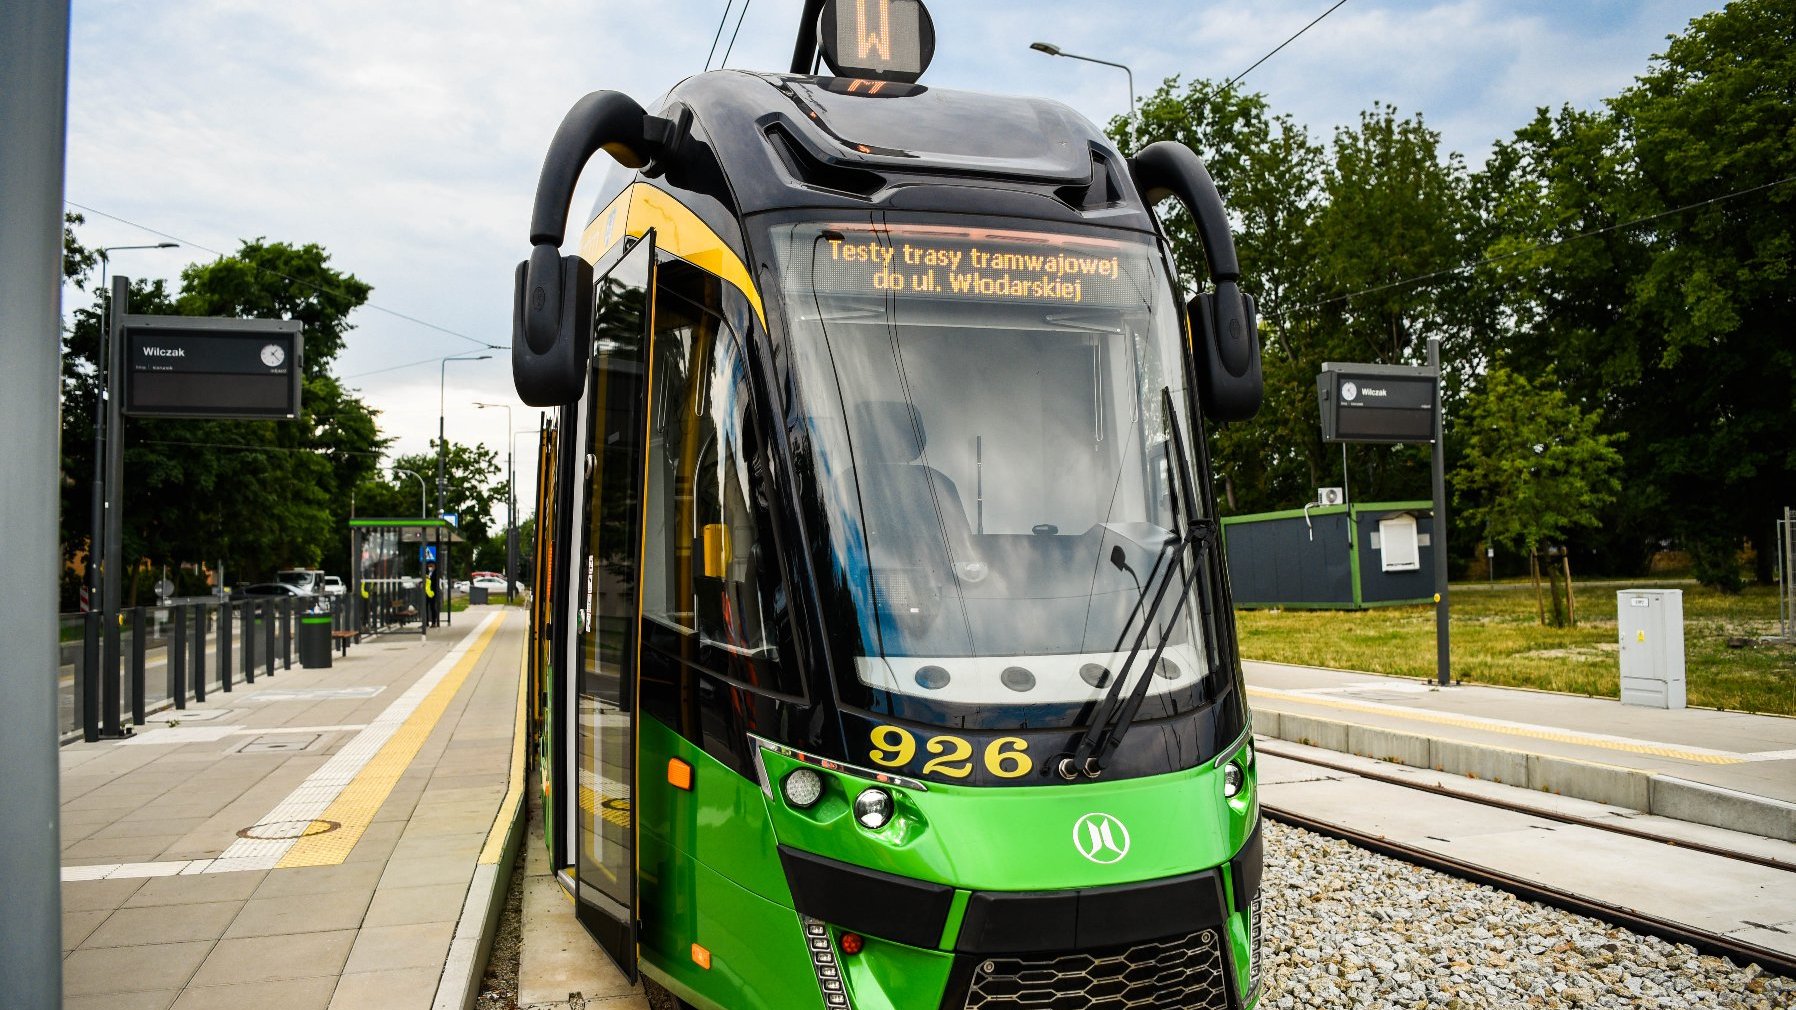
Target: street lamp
102 375
1053 50
443 447
422 512
511 507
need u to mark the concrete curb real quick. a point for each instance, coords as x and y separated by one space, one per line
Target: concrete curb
1634 788
459 985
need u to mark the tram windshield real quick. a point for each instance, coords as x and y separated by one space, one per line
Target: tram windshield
990 439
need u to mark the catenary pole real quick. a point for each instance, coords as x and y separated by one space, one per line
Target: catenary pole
1443 663
34 48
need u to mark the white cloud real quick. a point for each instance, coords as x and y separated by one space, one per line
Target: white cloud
406 137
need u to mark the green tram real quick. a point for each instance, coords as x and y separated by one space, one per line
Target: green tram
882 649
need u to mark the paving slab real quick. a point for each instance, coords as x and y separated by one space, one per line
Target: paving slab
199 874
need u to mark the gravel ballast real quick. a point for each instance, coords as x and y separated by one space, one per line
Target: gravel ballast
1348 928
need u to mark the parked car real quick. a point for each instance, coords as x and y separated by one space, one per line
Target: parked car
309 581
333 586
270 589
459 587
491 583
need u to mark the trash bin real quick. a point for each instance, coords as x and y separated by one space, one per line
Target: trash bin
476 596
315 641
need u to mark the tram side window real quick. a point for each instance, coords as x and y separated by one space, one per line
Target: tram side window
702 569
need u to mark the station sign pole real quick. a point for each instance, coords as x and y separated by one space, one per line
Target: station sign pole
1392 405
1443 662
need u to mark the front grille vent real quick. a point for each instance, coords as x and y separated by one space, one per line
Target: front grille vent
1185 973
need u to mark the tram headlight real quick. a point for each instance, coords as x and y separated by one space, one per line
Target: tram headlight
803 788
1233 778
873 808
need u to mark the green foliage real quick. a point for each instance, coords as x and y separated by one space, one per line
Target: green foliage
1316 227
258 495
1535 466
1649 251
1639 253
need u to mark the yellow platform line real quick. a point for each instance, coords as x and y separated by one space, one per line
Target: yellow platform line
494 848
1505 728
356 806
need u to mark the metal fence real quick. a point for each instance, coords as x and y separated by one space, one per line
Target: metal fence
1786 574
168 655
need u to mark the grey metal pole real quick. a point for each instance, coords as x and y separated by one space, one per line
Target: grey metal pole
34 49
112 550
1442 661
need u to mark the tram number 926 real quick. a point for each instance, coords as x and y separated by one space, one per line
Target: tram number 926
1006 757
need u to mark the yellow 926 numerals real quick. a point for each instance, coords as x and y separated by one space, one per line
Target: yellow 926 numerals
1006 757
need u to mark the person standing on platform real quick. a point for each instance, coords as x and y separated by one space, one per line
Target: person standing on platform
430 594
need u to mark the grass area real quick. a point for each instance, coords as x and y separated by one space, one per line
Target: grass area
1497 639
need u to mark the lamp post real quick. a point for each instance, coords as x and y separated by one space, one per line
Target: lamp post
443 573
511 507
422 511
102 374
1053 50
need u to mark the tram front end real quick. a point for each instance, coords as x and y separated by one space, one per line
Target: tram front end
886 657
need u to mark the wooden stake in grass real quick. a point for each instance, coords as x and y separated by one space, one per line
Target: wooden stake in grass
1534 571
1571 605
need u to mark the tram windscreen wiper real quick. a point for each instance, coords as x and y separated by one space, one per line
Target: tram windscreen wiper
1100 739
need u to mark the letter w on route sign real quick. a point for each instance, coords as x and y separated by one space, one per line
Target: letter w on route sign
880 42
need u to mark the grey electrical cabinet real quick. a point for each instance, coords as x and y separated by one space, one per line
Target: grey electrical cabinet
1651 623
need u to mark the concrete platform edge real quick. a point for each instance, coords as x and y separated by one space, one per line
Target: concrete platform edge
459 987
1648 792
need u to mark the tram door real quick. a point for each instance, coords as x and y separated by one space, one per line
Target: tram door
604 579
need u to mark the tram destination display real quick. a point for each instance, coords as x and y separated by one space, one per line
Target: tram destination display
989 266
185 366
1376 403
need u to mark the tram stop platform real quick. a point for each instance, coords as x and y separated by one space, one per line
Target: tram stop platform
323 838
1730 770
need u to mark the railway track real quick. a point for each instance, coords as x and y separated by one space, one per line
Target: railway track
1704 941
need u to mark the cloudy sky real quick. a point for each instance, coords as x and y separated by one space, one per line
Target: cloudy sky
405 137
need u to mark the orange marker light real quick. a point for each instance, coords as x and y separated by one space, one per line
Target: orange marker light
852 943
701 957
679 773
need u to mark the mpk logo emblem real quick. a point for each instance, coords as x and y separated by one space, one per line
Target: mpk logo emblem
1101 838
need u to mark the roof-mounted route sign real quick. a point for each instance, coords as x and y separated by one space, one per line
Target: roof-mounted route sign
879 40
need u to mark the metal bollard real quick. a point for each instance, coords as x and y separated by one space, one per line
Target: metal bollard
201 615
177 655
138 648
287 612
90 676
227 671
246 622
268 612
112 703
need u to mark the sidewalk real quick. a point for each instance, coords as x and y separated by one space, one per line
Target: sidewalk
1727 769
321 838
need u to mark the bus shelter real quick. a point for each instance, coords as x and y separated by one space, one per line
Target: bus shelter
387 591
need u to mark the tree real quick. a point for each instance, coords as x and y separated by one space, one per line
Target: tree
473 491
260 495
1535 466
1647 251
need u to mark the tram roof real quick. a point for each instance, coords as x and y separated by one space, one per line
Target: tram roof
759 142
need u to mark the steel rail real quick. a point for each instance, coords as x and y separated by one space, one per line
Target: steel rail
1704 941
1770 862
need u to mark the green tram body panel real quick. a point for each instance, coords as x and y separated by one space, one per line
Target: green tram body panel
711 874
724 903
